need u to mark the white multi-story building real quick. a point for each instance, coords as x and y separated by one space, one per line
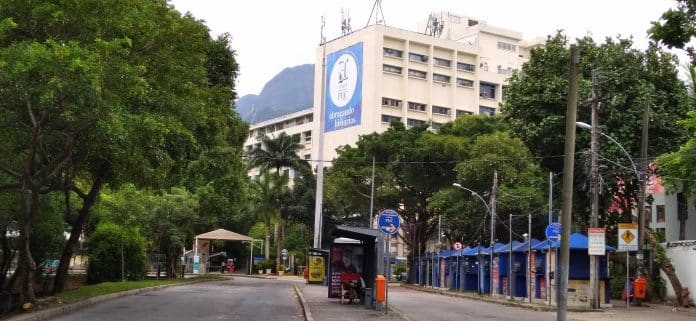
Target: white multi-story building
380 74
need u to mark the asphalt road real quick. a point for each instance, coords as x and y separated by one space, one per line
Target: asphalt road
238 299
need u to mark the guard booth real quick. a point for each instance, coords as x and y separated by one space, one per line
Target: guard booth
356 250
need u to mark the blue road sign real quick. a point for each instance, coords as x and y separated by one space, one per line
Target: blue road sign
389 222
553 232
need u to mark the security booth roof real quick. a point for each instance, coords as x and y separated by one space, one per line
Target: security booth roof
222 234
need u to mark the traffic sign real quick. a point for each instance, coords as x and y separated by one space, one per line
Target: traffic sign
553 232
628 237
596 241
389 222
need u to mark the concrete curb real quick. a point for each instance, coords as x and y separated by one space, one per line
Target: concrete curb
65 309
303 302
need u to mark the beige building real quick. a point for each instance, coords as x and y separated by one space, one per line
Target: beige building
459 67
380 74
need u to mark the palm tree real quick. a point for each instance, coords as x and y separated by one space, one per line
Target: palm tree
277 153
270 189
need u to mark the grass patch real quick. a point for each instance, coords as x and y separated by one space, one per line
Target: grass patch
88 291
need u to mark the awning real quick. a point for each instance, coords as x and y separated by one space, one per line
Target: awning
222 234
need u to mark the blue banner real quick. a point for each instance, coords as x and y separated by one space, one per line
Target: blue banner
343 100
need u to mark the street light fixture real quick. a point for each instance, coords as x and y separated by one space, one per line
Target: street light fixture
587 126
490 262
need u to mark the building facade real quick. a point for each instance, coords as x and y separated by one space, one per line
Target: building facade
412 77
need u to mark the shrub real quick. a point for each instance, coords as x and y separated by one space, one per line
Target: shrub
105 254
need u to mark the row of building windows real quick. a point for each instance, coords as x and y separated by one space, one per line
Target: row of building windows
414 73
391 102
440 62
282 125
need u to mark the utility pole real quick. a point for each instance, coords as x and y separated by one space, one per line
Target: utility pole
319 194
642 164
372 196
568 168
494 195
529 257
594 187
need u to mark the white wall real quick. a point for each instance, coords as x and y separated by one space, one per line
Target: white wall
683 256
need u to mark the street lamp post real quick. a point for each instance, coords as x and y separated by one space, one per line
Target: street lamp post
595 131
490 262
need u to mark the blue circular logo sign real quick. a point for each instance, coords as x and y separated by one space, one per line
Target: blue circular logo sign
389 222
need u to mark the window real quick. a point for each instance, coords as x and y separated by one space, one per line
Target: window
307 136
487 90
465 82
416 106
506 46
484 110
389 52
391 69
391 102
308 156
441 110
463 112
417 73
472 22
436 126
417 57
442 62
441 78
461 66
390 119
660 209
414 122
504 71
310 118
299 121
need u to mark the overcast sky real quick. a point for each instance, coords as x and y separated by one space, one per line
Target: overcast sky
270 35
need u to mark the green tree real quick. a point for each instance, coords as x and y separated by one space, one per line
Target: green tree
411 164
107 92
677 27
276 153
627 79
117 253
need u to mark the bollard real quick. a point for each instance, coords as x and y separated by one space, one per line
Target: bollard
380 288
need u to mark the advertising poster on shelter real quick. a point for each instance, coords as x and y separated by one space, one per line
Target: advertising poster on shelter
316 269
344 259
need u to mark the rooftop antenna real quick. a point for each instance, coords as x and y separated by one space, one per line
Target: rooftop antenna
322 38
434 26
379 14
345 22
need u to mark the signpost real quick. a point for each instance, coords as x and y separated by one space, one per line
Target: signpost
389 223
628 241
553 234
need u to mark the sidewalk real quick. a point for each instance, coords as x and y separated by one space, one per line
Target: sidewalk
319 307
649 312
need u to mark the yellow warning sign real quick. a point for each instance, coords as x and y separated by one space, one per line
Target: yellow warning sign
627 236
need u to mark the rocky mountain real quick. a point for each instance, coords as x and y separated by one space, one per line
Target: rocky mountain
289 91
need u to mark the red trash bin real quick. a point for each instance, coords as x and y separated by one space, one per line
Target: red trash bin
639 286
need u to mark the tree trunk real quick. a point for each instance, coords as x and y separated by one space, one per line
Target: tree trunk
25 263
665 265
6 259
276 240
78 224
267 241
